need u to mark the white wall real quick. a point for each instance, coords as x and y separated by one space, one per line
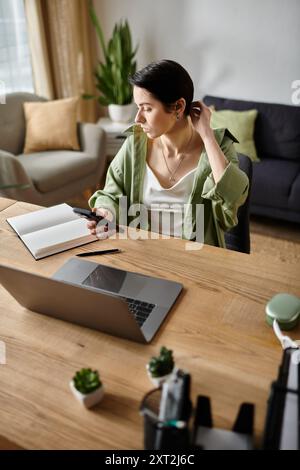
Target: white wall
248 49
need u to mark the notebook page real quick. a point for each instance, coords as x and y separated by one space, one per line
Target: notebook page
42 219
58 238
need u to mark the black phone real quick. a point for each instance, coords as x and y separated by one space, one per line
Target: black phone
90 215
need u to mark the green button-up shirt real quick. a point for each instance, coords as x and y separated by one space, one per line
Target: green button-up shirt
221 200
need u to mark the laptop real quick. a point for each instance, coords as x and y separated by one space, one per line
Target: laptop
114 301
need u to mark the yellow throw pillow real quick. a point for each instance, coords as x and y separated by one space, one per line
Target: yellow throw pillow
51 125
241 125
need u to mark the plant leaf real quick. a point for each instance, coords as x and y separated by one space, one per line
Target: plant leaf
98 28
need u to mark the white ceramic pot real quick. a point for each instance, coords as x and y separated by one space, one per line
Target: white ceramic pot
121 113
90 399
158 381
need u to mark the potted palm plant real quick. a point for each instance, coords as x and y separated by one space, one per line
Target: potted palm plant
160 368
112 74
87 387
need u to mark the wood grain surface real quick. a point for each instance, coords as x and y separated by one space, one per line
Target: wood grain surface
216 329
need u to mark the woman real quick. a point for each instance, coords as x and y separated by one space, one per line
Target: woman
174 157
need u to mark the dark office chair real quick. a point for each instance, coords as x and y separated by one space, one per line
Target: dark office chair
238 238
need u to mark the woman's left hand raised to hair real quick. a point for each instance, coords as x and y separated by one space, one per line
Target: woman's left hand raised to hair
200 116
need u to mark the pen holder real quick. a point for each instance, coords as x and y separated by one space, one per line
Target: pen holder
158 434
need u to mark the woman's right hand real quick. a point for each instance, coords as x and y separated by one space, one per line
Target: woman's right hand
101 230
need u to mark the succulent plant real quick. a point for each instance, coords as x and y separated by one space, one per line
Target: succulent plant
87 381
162 364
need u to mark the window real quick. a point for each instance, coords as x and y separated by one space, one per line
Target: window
15 64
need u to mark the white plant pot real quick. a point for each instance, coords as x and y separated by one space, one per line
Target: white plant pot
158 381
90 399
121 113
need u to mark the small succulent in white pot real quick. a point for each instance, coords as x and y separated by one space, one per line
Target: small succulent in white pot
160 368
87 387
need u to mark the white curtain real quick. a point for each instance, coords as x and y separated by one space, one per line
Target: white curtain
39 51
15 64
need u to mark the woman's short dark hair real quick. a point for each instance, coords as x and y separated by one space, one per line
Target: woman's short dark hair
167 81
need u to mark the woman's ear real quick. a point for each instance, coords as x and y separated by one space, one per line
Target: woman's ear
179 108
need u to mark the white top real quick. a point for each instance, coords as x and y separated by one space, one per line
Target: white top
165 205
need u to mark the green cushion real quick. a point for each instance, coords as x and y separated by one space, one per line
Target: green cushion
241 125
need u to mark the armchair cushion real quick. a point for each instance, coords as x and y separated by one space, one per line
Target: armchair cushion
51 125
54 169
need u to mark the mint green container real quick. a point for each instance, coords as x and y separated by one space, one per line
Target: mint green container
285 308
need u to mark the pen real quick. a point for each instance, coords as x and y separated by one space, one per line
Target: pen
101 252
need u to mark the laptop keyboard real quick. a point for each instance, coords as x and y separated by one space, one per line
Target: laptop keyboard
140 310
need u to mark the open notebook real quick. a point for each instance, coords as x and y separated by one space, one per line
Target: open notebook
51 230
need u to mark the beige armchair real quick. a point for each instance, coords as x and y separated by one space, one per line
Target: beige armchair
52 176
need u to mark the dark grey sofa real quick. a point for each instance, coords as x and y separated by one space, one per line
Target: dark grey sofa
276 178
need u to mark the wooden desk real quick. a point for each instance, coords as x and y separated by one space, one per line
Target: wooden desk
216 329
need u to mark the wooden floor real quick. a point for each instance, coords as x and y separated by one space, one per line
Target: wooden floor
277 239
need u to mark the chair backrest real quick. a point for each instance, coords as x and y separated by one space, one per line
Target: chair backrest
238 238
12 121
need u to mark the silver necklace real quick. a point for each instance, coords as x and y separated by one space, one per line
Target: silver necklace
182 157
